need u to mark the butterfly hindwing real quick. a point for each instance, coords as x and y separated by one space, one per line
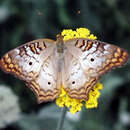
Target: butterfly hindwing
74 77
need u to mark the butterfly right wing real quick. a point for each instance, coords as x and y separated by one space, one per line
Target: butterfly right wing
85 61
34 63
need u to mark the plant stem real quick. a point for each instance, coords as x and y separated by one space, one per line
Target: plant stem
61 120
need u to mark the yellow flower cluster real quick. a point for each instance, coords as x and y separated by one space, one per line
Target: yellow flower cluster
65 100
93 96
75 105
79 33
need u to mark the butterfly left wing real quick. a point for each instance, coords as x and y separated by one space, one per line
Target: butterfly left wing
34 62
85 61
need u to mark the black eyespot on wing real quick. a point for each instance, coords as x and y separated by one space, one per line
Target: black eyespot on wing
92 59
49 83
30 63
73 82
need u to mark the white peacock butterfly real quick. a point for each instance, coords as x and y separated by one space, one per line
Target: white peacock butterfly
77 63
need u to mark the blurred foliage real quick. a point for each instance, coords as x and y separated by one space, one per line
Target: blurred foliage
25 20
9 111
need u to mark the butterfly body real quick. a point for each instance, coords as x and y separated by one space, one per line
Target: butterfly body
78 64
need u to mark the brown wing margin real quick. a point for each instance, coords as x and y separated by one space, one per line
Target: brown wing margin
42 96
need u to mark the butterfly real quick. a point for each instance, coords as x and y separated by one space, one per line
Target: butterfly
77 64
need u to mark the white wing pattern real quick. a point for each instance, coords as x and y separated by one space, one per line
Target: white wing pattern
45 64
35 63
85 62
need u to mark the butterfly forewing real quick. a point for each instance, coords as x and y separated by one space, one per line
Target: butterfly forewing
86 61
34 63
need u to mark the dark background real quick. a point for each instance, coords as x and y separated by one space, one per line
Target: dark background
24 20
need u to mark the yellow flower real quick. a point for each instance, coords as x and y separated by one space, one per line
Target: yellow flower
75 105
79 33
